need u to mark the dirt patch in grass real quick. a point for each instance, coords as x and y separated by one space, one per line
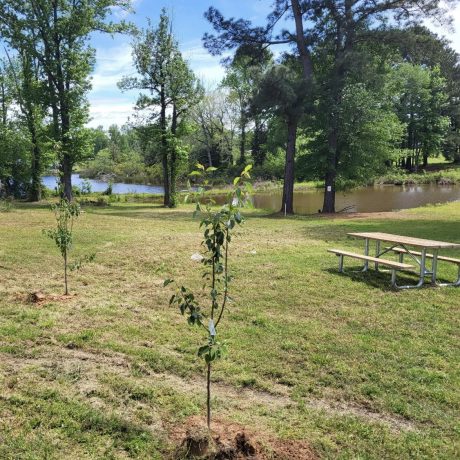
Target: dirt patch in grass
228 440
41 298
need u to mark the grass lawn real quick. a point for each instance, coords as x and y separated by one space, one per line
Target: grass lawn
339 361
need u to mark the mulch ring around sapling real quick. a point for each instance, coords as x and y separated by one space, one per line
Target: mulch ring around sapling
231 441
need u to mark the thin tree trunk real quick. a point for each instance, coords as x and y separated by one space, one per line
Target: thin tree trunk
287 205
65 273
4 110
208 396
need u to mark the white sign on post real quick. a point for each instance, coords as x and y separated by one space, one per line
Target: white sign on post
329 188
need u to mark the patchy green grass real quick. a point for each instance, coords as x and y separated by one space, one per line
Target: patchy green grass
341 361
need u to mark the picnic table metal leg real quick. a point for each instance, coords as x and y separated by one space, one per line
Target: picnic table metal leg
377 254
366 253
421 277
434 267
422 268
340 263
393 279
454 284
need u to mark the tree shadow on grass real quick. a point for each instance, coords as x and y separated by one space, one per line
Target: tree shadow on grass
144 213
379 280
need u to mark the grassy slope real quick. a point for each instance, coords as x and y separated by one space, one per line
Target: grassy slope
341 361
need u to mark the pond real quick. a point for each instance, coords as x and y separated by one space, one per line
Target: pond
367 199
101 186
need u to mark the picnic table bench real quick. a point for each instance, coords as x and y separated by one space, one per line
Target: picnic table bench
401 246
394 266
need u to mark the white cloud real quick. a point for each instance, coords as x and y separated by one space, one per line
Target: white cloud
109 105
108 111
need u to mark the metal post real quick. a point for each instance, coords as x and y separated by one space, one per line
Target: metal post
393 279
377 254
434 266
422 266
340 263
366 253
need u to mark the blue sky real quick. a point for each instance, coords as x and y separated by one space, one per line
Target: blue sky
113 55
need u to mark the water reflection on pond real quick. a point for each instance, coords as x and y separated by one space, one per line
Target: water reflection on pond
366 199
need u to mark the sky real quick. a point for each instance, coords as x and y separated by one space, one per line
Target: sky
113 54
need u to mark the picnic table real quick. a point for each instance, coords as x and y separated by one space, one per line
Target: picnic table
403 245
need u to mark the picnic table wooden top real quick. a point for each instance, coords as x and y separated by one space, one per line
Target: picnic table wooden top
407 240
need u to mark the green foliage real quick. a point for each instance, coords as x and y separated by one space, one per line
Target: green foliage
14 161
109 189
420 102
65 214
218 226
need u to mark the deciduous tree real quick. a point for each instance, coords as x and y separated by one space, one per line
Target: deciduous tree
170 90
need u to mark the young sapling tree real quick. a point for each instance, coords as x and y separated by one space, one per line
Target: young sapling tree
66 213
218 225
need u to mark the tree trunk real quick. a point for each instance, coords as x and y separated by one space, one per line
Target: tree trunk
36 187
344 43
4 110
333 153
66 177
329 192
305 57
258 153
331 173
425 160
287 205
173 165
164 147
242 159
